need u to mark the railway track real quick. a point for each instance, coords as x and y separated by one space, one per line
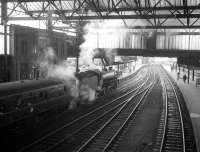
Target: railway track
104 137
133 80
96 117
174 134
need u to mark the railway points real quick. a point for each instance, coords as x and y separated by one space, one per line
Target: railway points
90 135
87 75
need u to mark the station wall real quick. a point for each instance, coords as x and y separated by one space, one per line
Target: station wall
152 40
178 42
26 45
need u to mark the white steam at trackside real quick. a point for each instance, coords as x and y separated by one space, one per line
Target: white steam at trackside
97 34
94 31
51 67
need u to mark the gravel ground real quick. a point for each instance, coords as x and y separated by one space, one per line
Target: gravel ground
25 136
141 133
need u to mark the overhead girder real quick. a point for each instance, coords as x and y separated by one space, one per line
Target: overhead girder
157 52
94 17
28 0
104 9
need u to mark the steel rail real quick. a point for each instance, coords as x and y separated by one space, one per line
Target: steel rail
128 83
6 116
165 115
109 145
94 137
77 120
166 125
123 104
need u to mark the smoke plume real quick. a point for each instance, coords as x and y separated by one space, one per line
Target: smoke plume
51 67
97 33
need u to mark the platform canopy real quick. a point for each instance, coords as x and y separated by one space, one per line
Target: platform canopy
152 14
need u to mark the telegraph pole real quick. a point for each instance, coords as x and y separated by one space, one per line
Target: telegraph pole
4 22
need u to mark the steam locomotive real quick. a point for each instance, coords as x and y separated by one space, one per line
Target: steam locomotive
30 97
93 83
26 98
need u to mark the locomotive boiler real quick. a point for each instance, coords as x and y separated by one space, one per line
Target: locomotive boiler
93 83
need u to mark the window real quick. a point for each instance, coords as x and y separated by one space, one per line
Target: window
24 71
56 49
24 47
63 50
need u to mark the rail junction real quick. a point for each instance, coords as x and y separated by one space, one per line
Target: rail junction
105 128
100 75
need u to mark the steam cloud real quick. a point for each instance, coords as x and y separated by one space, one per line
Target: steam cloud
51 67
96 34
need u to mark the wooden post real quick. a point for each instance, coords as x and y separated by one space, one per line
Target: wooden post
193 75
188 75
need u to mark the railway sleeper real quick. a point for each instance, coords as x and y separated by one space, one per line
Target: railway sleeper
172 127
173 136
174 133
174 121
174 130
93 149
99 145
173 145
173 142
101 140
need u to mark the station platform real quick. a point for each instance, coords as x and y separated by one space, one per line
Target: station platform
191 95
